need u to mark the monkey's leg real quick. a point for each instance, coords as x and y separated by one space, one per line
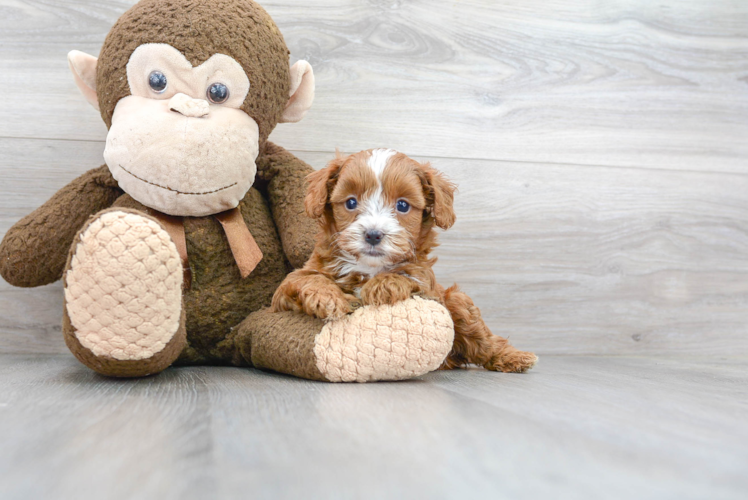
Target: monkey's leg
474 342
386 342
123 295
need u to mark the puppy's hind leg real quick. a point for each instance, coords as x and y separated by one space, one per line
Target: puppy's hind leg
474 342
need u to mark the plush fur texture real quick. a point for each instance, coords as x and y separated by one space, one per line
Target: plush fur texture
113 365
279 342
219 298
34 251
199 29
391 342
388 342
377 213
123 286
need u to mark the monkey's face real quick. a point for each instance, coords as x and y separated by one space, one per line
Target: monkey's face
190 94
180 142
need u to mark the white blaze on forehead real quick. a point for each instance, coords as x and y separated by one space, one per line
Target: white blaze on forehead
375 214
377 162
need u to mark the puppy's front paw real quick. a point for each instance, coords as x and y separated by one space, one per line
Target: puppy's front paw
326 303
386 289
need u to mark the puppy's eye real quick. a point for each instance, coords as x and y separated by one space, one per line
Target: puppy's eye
157 81
351 203
402 206
218 93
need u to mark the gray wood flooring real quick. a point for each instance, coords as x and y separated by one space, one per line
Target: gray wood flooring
575 427
601 149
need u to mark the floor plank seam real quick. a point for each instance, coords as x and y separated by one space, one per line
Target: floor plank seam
456 158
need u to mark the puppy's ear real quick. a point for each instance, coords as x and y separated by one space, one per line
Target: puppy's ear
321 183
440 196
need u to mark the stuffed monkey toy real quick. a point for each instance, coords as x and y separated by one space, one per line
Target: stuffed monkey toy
171 251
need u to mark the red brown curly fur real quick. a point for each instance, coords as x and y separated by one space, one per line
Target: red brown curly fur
346 271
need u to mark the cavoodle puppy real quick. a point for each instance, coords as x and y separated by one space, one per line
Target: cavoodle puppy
377 212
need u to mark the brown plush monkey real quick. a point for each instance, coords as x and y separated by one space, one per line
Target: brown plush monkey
170 251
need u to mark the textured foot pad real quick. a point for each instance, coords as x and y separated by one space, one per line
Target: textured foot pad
123 288
385 342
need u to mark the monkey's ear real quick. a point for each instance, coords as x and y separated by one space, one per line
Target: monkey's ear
321 183
301 94
83 67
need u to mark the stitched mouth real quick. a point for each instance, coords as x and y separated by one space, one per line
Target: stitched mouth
172 189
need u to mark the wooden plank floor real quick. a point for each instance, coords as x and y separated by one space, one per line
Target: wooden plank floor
576 427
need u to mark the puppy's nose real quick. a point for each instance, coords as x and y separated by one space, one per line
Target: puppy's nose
373 238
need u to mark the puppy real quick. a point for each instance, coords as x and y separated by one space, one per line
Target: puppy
377 212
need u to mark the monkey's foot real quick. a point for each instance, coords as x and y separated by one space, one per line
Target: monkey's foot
123 296
388 342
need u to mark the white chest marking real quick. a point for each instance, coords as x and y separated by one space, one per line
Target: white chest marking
347 266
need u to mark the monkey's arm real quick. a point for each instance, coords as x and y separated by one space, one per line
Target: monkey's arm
35 249
286 189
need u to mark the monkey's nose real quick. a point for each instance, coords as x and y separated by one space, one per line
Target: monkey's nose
186 105
373 238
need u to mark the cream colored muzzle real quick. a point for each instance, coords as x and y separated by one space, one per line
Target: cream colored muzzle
181 156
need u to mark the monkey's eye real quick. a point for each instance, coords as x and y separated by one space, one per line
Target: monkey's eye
157 81
402 206
351 203
218 93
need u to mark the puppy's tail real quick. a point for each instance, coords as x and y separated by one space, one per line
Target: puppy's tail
474 342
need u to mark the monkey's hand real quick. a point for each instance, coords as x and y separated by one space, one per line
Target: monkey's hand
387 288
35 249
